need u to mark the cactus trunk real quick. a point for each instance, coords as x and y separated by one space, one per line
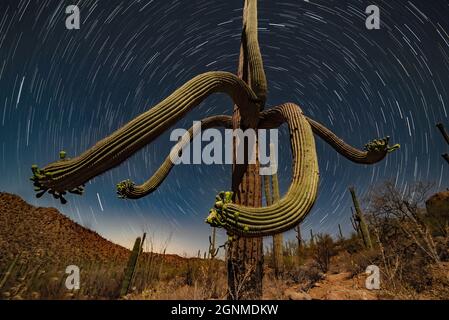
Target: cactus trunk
245 255
359 218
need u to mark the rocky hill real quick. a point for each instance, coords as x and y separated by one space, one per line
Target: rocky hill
31 231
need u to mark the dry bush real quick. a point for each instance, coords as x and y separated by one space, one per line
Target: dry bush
192 271
359 261
351 245
407 250
323 251
307 276
43 279
207 280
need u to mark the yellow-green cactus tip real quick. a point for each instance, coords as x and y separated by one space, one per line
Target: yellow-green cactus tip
394 148
219 204
212 218
62 155
228 196
246 229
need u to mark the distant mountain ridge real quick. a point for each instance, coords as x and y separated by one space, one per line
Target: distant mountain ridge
36 231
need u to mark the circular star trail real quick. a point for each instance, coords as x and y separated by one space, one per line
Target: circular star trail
66 89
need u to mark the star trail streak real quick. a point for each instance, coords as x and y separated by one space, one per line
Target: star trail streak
65 89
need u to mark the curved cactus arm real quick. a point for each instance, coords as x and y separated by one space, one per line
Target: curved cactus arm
256 70
128 189
374 152
108 153
299 199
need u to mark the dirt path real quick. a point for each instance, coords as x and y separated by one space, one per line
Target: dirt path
340 286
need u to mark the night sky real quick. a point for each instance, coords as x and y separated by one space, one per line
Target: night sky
66 89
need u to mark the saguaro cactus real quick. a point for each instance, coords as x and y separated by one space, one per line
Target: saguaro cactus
340 233
299 239
445 135
213 251
142 242
355 223
239 211
245 256
359 219
298 235
131 267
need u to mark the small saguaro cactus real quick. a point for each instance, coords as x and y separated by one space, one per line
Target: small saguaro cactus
312 238
142 242
355 223
131 267
359 219
445 135
298 235
340 233
213 251
299 239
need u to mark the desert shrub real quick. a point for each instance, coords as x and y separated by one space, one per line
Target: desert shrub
404 237
323 251
359 261
192 271
353 244
442 246
308 276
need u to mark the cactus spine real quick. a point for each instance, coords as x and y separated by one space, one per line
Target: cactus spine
359 219
131 267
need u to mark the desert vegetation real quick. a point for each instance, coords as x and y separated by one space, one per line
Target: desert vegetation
408 232
409 242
